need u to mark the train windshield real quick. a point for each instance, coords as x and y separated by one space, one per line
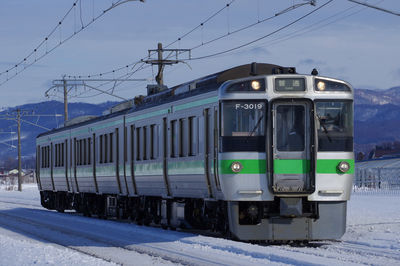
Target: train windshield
243 125
244 118
334 122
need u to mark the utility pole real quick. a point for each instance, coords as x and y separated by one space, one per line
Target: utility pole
68 84
161 62
65 100
19 150
17 118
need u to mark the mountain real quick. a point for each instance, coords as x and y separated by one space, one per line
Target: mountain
376 120
33 124
376 117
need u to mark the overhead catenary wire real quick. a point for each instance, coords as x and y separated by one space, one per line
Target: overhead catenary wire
262 37
10 74
200 25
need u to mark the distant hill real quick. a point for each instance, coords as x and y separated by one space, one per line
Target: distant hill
30 131
376 120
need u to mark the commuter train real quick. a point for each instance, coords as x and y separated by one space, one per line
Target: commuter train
255 152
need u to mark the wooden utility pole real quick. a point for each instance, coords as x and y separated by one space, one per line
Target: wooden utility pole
162 62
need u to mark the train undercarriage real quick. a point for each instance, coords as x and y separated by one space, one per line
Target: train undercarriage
279 220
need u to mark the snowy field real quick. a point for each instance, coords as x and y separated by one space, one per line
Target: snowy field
31 235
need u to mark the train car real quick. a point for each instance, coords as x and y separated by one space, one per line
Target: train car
256 152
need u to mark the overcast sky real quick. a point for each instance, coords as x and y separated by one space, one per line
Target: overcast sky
342 40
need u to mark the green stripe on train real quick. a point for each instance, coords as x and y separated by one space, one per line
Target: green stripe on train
291 166
329 166
249 166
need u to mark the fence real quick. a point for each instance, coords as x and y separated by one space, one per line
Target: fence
377 180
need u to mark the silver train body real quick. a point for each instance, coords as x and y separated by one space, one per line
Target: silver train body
257 152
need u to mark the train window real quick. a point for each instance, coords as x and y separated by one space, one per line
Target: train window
182 143
192 139
56 155
138 144
144 143
89 149
105 148
290 123
101 148
111 147
62 154
173 139
152 141
132 143
334 123
84 152
243 125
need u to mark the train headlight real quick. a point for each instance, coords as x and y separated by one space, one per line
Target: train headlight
255 84
344 166
236 167
321 85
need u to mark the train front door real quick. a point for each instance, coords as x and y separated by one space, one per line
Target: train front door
291 146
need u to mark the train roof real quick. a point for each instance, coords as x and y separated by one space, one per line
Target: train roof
198 86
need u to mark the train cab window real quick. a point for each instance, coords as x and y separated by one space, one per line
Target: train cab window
243 125
144 142
334 123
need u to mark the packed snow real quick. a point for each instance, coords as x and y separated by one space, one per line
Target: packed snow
32 235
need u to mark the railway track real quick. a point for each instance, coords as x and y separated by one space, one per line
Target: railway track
120 242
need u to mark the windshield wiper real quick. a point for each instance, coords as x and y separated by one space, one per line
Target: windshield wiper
323 126
255 127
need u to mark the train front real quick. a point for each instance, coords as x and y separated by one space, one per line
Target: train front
286 158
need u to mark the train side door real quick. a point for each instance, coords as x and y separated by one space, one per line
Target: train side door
291 146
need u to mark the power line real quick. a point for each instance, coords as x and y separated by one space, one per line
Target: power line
376 7
200 25
263 37
312 2
33 56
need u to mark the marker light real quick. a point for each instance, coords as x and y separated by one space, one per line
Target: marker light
255 85
343 166
236 167
321 85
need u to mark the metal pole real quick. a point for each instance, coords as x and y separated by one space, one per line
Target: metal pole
65 101
19 150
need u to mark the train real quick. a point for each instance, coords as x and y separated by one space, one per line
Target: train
256 152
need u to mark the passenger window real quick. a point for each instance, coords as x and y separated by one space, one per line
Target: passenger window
138 144
192 136
111 147
105 148
173 139
144 142
101 148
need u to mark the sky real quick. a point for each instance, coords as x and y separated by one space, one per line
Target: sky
342 40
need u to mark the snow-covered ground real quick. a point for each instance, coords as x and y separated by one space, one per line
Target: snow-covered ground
31 235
